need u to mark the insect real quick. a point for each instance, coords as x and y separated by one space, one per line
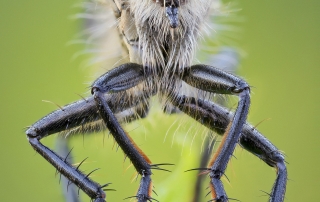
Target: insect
160 37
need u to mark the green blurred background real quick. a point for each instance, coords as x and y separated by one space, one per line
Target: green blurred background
281 39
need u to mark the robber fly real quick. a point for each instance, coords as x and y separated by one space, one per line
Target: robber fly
160 38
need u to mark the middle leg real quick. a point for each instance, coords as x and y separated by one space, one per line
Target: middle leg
217 118
214 80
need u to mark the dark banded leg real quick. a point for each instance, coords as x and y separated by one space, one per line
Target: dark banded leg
218 119
70 191
229 141
140 161
213 80
91 188
80 114
67 118
227 59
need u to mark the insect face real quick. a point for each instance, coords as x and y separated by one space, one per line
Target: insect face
163 35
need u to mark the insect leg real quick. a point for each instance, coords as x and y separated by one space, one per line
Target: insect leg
68 117
218 119
91 188
215 80
129 76
226 59
70 191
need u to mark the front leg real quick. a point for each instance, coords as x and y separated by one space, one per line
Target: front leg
129 76
214 80
76 116
140 161
232 126
70 191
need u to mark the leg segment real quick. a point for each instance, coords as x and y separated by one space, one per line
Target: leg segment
92 189
228 60
215 80
70 116
218 119
140 161
81 113
70 190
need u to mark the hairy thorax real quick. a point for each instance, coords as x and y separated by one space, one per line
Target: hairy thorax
153 40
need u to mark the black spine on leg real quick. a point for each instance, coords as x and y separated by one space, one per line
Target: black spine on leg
63 150
229 142
92 189
218 118
139 160
121 78
214 80
85 111
234 132
119 135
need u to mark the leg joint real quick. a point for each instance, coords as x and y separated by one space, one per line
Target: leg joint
95 89
33 133
240 86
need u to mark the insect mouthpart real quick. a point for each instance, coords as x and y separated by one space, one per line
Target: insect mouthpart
171 9
172 15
